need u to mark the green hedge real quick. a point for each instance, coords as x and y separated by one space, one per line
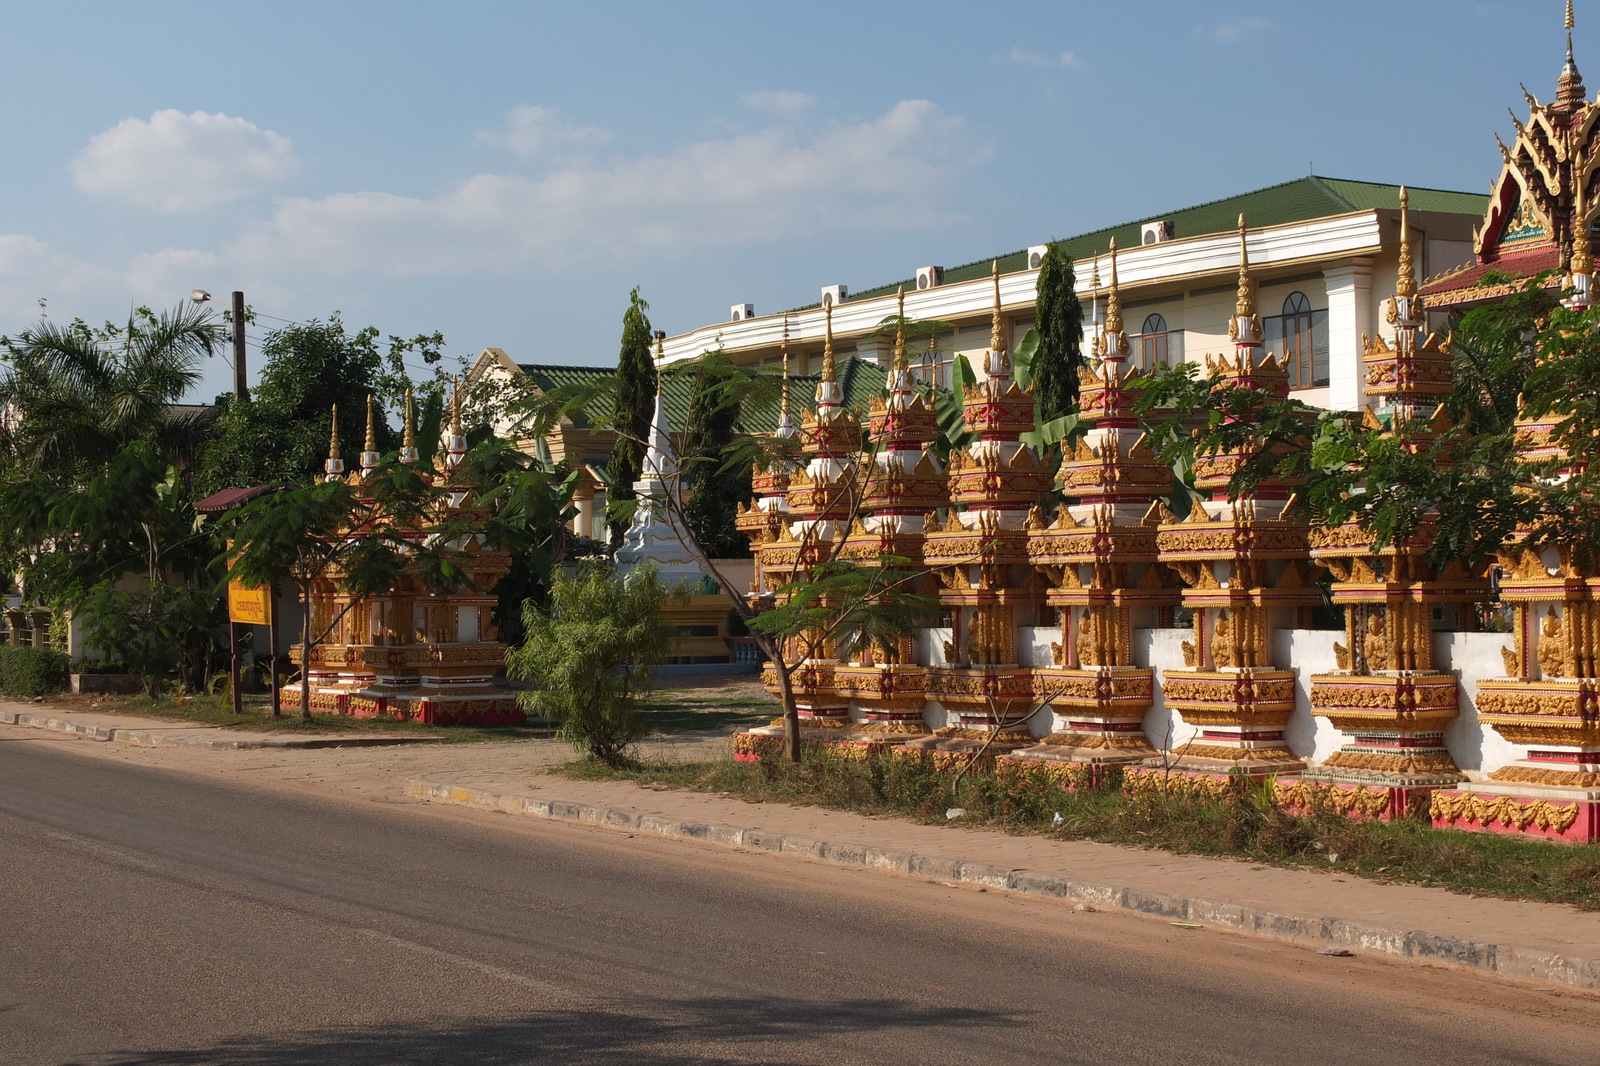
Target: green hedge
28 672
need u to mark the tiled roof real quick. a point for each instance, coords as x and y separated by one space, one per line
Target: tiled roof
1465 286
862 380
1294 201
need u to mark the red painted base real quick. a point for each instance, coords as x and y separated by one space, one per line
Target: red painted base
427 710
1383 803
1569 821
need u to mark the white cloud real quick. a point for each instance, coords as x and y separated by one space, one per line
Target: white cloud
1233 29
531 131
1021 57
887 173
778 101
179 162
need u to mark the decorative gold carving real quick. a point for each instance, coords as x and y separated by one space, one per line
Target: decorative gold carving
1555 657
1513 662
1503 810
1376 644
1341 655
1191 654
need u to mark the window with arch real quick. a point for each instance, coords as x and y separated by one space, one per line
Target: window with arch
1299 338
1153 347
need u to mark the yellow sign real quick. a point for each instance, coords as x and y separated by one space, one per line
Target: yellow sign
249 606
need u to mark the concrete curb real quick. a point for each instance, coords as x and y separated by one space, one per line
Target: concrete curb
156 738
1499 959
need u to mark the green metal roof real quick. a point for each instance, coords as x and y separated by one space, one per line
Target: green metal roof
862 381
1300 200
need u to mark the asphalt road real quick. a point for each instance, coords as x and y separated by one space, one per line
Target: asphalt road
157 917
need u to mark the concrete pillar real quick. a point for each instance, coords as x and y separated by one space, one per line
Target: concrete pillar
583 521
41 629
1349 318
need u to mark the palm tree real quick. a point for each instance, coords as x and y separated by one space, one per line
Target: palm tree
75 396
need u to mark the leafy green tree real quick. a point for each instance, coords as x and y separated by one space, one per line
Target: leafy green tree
715 487
360 541
156 629
279 435
635 397
588 657
77 395
1059 322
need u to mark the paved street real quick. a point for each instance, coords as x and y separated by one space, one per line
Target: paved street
157 917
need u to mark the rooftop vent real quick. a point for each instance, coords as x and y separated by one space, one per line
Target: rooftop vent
1036 255
740 312
833 295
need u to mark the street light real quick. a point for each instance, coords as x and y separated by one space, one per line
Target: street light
200 296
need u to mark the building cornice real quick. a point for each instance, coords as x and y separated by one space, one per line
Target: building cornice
1170 262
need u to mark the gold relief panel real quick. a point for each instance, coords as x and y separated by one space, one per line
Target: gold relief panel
1503 810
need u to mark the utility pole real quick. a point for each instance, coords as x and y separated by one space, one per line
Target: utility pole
240 389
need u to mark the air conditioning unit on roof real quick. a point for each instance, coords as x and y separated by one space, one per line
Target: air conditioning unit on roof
930 277
1036 255
833 295
740 312
1156 232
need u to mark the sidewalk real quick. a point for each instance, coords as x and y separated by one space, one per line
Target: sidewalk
1550 944
160 732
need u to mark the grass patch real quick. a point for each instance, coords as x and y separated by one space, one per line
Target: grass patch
693 710
1246 825
257 717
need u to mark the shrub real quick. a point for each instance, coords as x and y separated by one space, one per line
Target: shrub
28 672
588 658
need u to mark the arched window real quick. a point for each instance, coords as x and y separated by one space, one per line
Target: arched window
1152 343
1299 346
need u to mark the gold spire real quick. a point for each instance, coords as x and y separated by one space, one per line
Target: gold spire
411 435
1246 304
901 360
333 439
372 428
828 370
784 347
997 334
455 407
1094 277
1582 245
1113 297
1405 285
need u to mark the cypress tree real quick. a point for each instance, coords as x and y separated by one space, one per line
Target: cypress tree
714 492
1059 320
636 403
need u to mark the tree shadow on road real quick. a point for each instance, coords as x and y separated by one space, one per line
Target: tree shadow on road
645 1033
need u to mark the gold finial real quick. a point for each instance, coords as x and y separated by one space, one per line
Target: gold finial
1094 276
901 360
1570 23
997 334
1582 245
1113 297
455 407
784 347
410 441
1406 283
828 370
372 428
333 439
1246 304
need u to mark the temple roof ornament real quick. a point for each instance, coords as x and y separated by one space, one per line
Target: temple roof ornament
369 453
334 467
1245 328
1113 342
408 447
829 370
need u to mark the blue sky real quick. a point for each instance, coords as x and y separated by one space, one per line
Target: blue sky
506 172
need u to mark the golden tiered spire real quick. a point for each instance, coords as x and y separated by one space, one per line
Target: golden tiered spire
901 360
828 370
1113 297
410 441
997 334
1405 285
372 428
1245 306
455 407
784 347
333 438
